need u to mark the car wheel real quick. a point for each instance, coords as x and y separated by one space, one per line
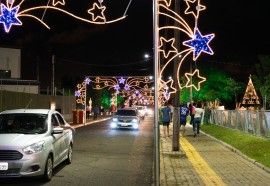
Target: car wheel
47 176
69 158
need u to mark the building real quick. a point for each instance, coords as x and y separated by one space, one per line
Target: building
10 73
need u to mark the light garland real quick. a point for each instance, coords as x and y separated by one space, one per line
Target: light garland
197 44
10 13
190 75
200 44
126 86
195 4
171 42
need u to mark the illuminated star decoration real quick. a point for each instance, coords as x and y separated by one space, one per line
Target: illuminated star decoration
193 6
121 80
9 17
168 2
87 81
77 93
116 87
189 76
127 87
200 44
61 2
170 43
167 90
95 9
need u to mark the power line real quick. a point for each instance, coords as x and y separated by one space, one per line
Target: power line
96 65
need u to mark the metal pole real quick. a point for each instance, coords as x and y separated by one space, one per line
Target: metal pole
176 138
52 74
156 75
85 101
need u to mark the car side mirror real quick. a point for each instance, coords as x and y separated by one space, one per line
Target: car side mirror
57 130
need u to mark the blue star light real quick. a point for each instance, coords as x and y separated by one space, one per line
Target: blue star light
77 93
200 44
9 17
116 87
127 87
87 81
122 80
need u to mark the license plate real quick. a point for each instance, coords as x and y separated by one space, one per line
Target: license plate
3 166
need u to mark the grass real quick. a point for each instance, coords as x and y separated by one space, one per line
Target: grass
252 146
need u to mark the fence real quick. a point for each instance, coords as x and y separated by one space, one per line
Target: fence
255 122
17 100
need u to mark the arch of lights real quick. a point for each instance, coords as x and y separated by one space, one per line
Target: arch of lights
197 44
138 89
11 10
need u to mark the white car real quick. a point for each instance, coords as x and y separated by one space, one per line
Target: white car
141 111
33 142
126 118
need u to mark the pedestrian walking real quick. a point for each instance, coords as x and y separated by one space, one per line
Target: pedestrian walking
87 112
184 111
197 119
166 119
191 113
96 112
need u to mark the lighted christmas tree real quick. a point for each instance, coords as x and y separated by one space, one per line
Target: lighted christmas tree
250 98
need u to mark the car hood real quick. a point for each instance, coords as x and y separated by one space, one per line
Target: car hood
126 117
18 140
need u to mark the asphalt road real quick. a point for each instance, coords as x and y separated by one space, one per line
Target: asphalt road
103 157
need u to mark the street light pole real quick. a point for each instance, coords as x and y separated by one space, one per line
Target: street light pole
176 138
156 75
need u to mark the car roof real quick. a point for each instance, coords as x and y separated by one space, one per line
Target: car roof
32 111
128 108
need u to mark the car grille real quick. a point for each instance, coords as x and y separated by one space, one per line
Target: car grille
10 173
125 121
10 155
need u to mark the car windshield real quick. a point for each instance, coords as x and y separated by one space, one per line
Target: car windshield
23 123
126 112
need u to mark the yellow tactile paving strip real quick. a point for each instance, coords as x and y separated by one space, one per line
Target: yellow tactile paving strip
208 176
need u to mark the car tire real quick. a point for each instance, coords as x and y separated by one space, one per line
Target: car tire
69 156
47 176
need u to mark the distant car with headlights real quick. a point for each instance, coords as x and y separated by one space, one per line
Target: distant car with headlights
126 118
141 111
33 142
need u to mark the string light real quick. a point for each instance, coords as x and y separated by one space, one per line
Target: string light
190 7
189 76
196 45
10 14
199 44
127 87
170 42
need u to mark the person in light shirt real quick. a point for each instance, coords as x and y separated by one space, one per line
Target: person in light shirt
197 119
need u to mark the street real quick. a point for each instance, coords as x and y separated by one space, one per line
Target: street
102 156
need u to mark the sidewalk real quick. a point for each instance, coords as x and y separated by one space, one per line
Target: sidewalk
206 161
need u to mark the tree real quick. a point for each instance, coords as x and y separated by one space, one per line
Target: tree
262 80
218 86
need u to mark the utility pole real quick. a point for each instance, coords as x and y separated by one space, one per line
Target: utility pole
52 74
176 138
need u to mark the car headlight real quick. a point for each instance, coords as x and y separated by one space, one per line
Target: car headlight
114 119
135 120
135 126
34 148
113 125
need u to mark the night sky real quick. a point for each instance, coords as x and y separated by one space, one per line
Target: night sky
83 49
